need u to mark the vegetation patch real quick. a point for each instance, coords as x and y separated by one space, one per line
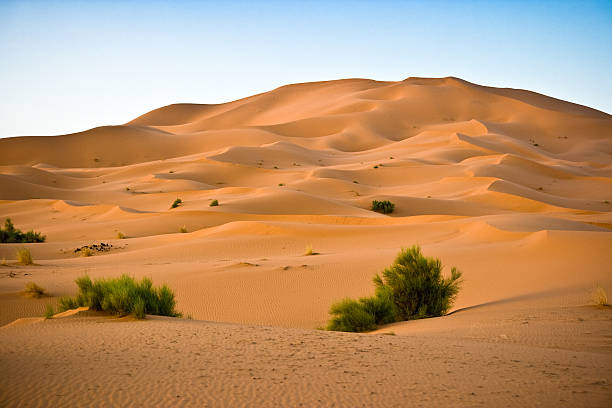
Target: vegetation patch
412 288
34 291
385 206
214 203
24 256
10 234
122 296
176 203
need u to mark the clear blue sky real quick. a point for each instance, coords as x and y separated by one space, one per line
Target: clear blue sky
67 66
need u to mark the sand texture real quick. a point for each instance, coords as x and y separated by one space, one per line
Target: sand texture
512 187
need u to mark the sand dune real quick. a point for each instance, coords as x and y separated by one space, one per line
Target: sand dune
512 187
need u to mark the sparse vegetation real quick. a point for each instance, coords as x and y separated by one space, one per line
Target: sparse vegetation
122 296
310 251
176 203
120 235
34 291
10 234
214 203
183 229
86 252
49 312
599 296
412 288
385 206
24 256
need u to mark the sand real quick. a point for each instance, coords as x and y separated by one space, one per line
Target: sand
512 187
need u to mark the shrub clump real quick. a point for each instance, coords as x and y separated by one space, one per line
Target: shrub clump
10 234
24 256
412 288
122 296
49 313
35 291
214 203
176 203
385 206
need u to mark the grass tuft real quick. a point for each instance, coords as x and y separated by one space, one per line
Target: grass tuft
24 256
49 312
120 235
599 296
310 251
183 229
34 291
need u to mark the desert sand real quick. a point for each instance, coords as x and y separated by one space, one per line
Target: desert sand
512 187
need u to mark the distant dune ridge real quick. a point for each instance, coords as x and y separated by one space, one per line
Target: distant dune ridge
512 187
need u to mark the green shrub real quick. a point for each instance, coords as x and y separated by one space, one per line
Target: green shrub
363 315
12 235
35 291
417 286
412 288
49 312
350 316
176 203
122 296
24 256
385 207
214 203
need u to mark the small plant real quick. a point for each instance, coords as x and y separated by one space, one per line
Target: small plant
214 203
24 256
86 252
10 234
176 203
122 296
599 296
49 312
189 317
385 206
34 291
183 229
281 184
310 251
120 235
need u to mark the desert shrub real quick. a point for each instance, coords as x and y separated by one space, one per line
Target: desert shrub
24 256
183 229
417 286
49 312
10 234
120 235
385 206
85 251
350 315
214 203
362 315
33 290
412 288
176 203
122 296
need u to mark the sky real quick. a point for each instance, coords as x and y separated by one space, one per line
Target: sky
67 66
